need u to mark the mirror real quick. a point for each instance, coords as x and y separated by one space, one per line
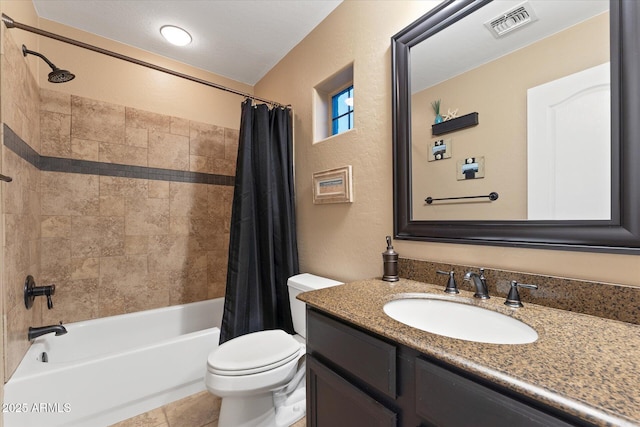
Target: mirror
481 221
541 91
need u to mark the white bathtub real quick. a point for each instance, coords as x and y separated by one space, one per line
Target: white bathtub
110 369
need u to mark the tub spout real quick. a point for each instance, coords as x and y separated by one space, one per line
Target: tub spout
42 330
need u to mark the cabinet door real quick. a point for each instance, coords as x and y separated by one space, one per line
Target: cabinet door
445 399
334 402
364 356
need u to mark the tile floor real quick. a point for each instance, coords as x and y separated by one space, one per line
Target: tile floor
199 410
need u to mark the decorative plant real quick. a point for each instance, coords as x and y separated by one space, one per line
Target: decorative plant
436 107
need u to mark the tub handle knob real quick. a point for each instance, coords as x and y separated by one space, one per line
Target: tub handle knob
31 291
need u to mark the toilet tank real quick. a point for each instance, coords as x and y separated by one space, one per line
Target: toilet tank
303 283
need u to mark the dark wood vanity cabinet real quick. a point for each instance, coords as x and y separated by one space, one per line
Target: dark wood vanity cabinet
355 378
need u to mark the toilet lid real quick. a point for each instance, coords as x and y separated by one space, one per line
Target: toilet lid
253 353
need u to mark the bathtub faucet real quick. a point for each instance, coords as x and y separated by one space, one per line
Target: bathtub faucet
42 330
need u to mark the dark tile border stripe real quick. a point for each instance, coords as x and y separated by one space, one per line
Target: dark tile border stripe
57 164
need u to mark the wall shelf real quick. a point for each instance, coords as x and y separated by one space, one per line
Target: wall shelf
453 125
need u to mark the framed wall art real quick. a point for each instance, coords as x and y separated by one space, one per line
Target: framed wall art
333 186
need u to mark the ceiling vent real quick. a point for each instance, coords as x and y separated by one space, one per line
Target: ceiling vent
508 21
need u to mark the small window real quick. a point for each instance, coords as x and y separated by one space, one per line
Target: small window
342 111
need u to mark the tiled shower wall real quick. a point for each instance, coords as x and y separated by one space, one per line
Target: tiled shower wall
115 244
20 202
88 216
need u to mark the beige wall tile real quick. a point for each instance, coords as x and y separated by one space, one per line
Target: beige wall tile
218 197
74 300
168 151
136 245
17 324
168 252
20 93
69 194
55 263
179 126
16 249
188 199
122 282
54 101
223 167
20 106
158 189
111 206
111 301
206 140
55 135
85 149
94 236
137 137
200 164
123 187
146 216
97 120
85 268
25 179
189 286
122 154
55 226
179 225
147 120
231 137
154 296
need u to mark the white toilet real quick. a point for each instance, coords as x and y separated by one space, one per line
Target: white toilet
260 376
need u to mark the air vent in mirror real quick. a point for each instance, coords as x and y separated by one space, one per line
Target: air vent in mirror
514 18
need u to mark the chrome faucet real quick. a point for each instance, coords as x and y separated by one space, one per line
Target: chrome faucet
480 283
42 330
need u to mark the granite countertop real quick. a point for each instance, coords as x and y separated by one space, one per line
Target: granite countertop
584 365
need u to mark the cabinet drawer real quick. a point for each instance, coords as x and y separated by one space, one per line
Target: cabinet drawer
368 358
334 402
444 398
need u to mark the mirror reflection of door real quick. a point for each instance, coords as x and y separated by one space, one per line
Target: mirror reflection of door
568 150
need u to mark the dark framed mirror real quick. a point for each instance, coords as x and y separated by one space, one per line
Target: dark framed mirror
620 233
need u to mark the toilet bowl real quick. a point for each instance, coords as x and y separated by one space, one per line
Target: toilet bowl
260 376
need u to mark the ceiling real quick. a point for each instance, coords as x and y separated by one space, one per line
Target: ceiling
238 39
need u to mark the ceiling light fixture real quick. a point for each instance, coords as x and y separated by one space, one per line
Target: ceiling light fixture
175 35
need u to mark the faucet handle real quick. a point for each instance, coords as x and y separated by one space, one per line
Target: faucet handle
452 287
513 299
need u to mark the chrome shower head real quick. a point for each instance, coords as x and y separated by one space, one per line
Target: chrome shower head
56 75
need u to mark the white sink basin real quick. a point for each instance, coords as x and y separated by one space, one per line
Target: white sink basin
458 320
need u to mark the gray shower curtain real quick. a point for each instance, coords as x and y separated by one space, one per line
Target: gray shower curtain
263 252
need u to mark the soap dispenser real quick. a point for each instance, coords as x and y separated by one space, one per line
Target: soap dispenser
390 263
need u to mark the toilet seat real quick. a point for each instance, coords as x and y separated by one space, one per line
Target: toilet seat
253 353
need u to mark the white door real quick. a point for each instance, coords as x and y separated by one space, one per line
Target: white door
569 147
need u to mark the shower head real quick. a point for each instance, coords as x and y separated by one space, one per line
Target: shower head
56 75
60 76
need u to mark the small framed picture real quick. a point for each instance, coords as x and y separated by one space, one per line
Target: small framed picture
333 186
440 149
470 168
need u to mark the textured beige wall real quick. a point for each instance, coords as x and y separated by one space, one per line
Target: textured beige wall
345 241
498 92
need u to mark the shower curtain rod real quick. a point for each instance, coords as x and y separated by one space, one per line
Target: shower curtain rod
10 23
